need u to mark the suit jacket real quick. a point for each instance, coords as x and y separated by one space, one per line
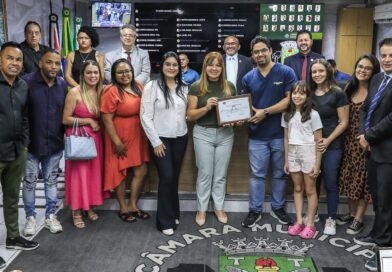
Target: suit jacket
295 62
244 66
140 63
379 134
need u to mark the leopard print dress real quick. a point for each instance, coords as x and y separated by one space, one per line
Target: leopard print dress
353 173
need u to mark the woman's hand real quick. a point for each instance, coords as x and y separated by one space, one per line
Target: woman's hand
322 145
94 125
212 101
120 150
159 151
286 168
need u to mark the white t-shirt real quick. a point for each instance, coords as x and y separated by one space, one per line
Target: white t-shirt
302 133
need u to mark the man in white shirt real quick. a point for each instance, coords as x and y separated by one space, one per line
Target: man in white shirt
236 65
136 56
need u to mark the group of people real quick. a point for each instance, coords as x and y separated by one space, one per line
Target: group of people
303 125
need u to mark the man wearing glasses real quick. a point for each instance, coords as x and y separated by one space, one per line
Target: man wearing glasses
136 56
236 65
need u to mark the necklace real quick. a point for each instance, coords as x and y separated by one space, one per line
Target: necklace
84 59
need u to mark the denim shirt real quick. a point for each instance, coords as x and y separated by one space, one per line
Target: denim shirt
46 106
14 132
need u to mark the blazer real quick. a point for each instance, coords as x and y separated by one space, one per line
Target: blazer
244 66
379 134
295 62
140 62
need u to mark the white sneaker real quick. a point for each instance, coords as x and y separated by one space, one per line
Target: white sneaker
52 224
316 218
330 226
168 232
30 227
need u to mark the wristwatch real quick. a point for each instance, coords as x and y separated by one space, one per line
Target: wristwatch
266 112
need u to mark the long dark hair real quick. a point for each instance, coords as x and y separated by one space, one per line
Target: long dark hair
134 86
331 82
306 108
353 83
162 80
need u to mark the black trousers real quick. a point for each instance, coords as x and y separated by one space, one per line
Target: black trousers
168 172
380 185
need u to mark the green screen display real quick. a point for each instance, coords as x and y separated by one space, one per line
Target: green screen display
282 21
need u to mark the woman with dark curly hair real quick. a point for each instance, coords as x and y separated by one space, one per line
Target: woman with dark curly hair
126 147
87 39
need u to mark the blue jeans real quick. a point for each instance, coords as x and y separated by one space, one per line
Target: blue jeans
330 165
260 154
50 166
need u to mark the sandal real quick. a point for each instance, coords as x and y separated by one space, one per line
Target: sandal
92 216
140 214
296 229
126 217
78 221
308 232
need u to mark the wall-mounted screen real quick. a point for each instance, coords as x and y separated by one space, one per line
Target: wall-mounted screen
282 21
195 29
106 14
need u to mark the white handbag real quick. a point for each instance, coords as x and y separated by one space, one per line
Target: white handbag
79 145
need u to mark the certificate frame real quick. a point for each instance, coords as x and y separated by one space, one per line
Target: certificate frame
384 256
242 104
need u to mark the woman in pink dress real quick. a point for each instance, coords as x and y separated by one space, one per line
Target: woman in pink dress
83 178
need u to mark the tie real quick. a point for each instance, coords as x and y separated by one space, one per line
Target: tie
304 67
375 99
128 56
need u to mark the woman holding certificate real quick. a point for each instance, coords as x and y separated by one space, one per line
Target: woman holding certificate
212 144
163 117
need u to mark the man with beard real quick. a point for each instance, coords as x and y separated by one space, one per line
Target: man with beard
46 98
301 61
269 85
14 137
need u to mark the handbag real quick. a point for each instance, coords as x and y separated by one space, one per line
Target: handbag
79 145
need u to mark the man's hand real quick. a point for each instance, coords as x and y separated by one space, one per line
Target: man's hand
363 143
258 116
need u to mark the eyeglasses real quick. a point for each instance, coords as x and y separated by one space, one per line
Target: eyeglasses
366 68
129 35
123 72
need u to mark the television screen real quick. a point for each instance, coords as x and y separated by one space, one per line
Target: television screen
106 14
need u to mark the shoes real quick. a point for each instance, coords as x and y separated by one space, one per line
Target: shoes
30 226
330 226
92 216
295 229
372 264
52 224
344 219
200 218
20 243
355 227
251 219
316 218
308 232
365 240
140 214
177 222
126 217
168 232
221 216
282 216
2 263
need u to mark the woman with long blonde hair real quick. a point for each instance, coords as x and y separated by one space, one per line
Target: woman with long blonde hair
83 178
212 143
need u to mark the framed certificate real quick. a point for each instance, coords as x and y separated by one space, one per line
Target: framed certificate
385 259
234 109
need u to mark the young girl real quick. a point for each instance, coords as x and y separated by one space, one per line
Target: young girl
302 128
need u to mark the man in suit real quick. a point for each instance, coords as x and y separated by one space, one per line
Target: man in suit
376 138
236 65
31 47
136 56
301 61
